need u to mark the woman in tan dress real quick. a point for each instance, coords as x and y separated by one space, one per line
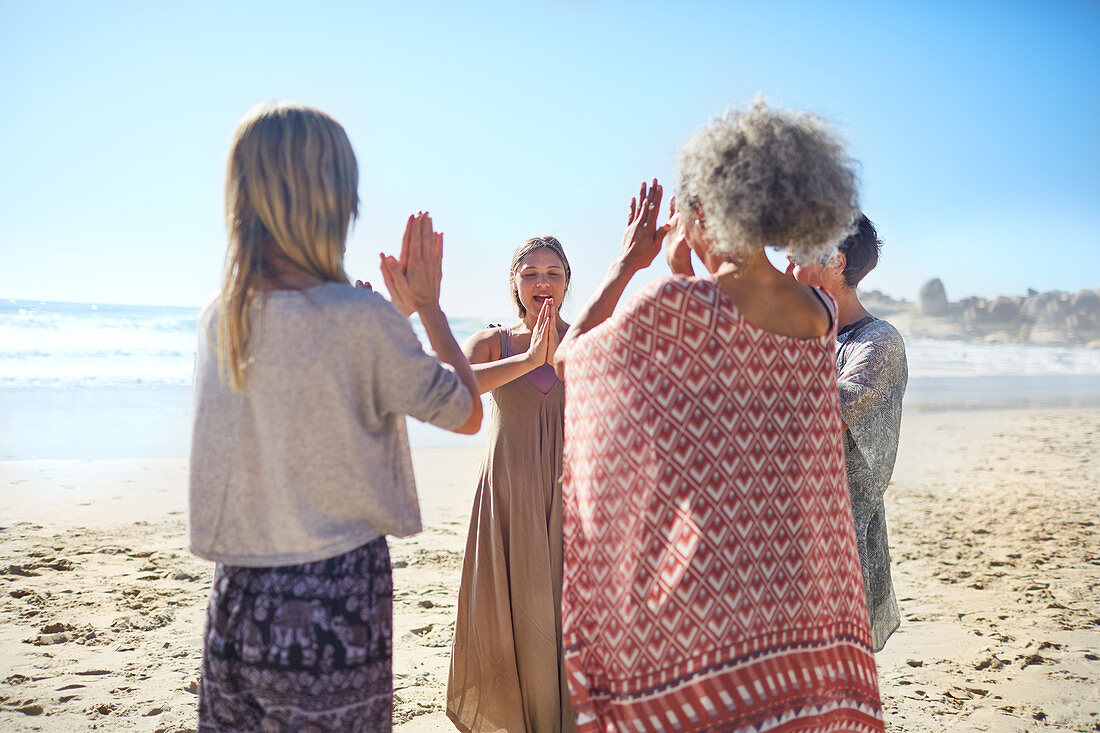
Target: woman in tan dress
506 671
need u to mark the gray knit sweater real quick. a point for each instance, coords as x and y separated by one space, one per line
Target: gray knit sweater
311 459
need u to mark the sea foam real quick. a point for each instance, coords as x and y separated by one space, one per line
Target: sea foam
83 345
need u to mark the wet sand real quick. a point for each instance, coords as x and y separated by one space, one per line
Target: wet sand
993 519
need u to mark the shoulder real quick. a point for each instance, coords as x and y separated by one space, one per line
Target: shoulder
672 291
876 347
661 303
881 333
485 343
486 335
208 328
885 329
678 285
341 295
813 310
354 306
822 296
208 316
359 320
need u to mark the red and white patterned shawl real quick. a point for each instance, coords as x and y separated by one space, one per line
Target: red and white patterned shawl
711 575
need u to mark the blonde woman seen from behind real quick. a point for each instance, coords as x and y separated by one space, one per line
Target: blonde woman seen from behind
300 463
506 671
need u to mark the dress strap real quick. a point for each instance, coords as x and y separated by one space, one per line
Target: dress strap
829 306
505 343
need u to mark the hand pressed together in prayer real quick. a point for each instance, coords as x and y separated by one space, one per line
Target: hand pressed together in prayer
552 337
544 336
414 279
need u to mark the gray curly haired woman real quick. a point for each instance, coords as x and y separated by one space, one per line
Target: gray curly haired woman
711 576
768 178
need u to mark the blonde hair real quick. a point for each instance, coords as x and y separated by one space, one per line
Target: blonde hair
775 178
527 247
291 190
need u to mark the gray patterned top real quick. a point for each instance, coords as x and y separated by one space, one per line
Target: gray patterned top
872 375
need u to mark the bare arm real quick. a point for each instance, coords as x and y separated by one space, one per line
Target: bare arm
491 370
641 243
414 288
447 349
493 374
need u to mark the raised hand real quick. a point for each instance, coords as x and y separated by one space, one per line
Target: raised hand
424 268
536 352
414 279
677 251
641 242
552 337
642 238
394 278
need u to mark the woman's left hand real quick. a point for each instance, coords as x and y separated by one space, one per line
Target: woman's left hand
552 337
677 251
413 280
643 238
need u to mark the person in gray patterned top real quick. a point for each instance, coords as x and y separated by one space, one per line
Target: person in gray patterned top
872 374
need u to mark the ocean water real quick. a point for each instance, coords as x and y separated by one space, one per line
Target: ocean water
91 346
100 380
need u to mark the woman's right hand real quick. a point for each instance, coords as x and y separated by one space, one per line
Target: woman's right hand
414 279
540 335
641 244
642 239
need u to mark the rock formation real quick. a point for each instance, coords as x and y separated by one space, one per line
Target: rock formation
1053 318
933 298
1003 310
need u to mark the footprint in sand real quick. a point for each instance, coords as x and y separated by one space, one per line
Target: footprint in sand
1032 659
25 571
434 636
57 632
61 564
113 550
146 622
103 708
991 663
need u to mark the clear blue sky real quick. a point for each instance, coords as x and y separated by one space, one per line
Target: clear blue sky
976 124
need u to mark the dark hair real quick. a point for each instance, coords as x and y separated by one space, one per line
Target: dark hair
860 251
526 248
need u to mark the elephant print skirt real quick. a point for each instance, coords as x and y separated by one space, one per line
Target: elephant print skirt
300 647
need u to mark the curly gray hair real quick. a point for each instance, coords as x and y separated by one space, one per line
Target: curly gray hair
775 178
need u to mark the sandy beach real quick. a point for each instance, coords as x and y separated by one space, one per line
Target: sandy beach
993 519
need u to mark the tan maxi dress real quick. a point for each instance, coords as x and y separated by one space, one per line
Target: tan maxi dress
506 672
